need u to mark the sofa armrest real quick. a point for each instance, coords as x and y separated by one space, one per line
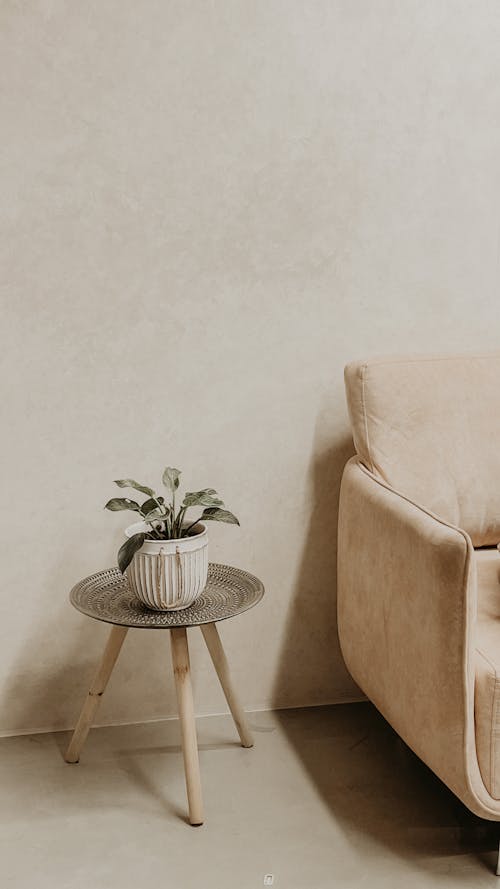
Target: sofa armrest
406 612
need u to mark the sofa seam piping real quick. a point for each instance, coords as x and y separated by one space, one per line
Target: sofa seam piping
365 419
494 707
492 667
490 663
492 356
418 506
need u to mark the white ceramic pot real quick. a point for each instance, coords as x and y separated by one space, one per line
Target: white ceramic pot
168 575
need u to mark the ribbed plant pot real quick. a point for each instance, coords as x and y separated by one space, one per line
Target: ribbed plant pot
168 575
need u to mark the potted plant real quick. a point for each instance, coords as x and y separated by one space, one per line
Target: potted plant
165 556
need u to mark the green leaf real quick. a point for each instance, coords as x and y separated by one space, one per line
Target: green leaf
219 515
130 483
170 478
128 550
155 516
116 504
150 504
202 498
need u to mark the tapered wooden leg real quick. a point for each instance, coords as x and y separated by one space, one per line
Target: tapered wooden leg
214 645
86 718
182 674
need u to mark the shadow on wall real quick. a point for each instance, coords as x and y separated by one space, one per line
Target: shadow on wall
38 697
311 669
310 666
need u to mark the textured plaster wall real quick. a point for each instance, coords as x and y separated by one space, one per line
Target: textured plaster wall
207 209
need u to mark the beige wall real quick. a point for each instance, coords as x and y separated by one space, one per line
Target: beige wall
207 209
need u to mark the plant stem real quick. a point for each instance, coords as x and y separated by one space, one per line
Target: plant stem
172 527
160 505
179 521
191 526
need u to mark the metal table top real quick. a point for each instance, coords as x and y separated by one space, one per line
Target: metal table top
106 596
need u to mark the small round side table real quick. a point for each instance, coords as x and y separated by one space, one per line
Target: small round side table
106 596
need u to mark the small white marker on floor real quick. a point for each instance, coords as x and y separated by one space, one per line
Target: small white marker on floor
268 879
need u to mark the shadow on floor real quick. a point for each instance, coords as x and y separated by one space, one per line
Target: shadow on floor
378 789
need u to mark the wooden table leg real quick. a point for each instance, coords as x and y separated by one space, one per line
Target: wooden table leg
111 652
182 675
214 645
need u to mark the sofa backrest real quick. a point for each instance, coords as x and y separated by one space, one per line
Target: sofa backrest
430 427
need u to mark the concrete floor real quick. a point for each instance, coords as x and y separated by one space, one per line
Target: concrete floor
327 797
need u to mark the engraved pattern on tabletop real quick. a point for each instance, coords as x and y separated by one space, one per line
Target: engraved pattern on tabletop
107 596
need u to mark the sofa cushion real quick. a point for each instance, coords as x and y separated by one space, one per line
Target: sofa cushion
430 427
487 685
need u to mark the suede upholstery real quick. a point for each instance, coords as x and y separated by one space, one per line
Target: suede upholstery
487 668
431 427
418 606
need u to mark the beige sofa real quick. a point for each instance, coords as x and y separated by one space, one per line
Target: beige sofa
418 568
